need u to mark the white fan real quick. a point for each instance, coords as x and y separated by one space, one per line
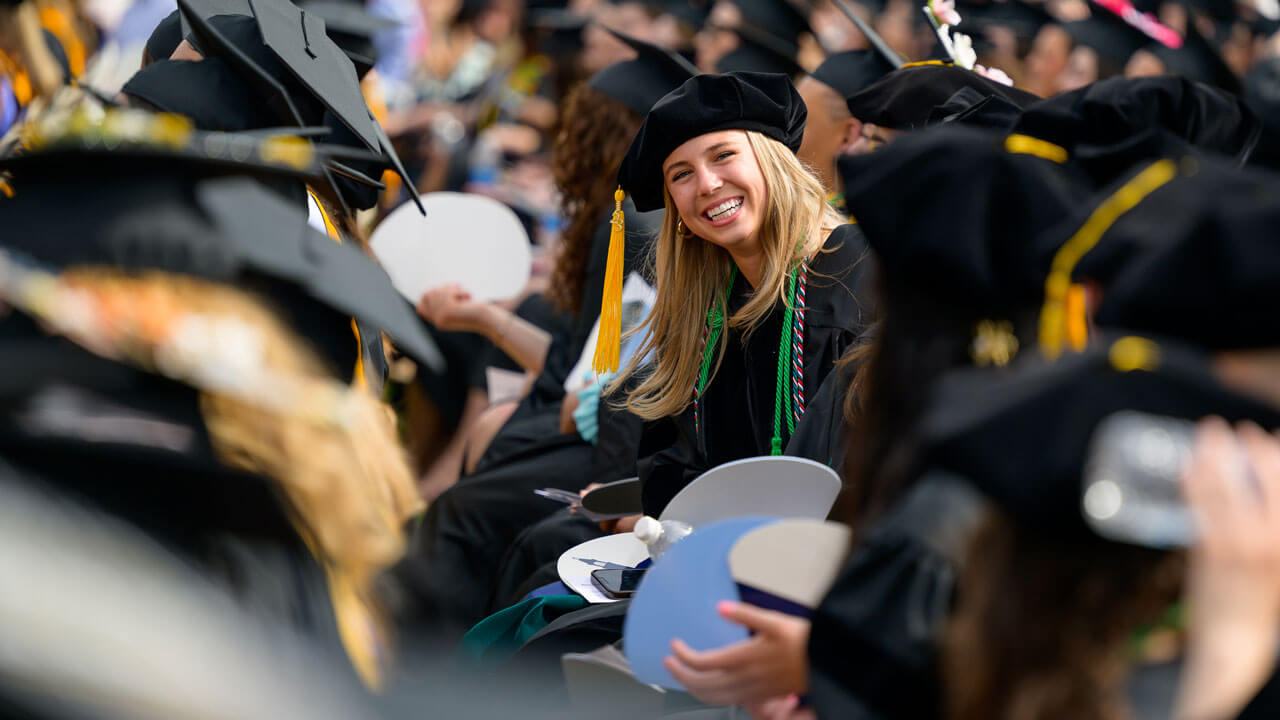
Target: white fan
470 240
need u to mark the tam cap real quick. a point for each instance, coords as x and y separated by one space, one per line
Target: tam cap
1190 254
209 92
973 213
905 99
166 37
1021 435
644 80
762 102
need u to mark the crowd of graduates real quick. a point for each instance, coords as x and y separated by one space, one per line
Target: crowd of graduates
1002 265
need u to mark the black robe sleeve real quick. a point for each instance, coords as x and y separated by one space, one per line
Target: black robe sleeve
873 642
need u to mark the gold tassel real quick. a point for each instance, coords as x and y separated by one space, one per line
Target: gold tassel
610 338
1077 323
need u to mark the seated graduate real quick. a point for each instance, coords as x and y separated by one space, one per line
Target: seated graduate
748 236
959 258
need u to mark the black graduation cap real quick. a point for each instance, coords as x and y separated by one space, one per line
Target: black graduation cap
766 103
1107 34
952 210
560 30
782 19
1022 434
179 217
905 98
760 52
692 12
1197 60
642 81
298 41
209 92
850 71
1194 259
166 37
352 28
970 107
1113 110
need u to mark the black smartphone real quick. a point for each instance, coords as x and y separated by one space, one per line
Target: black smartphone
618 583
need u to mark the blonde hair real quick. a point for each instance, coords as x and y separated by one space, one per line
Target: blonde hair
692 274
332 451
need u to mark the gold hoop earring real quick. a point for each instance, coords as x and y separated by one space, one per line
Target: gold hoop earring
684 232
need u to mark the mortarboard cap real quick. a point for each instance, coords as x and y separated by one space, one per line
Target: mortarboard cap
849 72
1022 435
642 81
762 102
782 19
1024 18
975 209
310 60
352 28
1192 258
151 193
904 99
760 52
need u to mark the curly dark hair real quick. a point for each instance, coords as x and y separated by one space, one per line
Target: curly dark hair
1043 625
591 137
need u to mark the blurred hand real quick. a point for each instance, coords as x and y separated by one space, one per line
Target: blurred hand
781 708
567 406
621 525
1232 592
771 663
451 308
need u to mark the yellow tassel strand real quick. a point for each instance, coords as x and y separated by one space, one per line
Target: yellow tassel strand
610 339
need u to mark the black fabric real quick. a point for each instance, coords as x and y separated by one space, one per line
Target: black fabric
849 72
762 102
977 211
821 433
536 547
208 92
905 98
873 644
970 107
134 446
166 37
1112 110
738 402
644 80
1193 260
223 229
1036 421
781 18
445 582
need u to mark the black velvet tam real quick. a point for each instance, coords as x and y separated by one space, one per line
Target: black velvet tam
905 99
762 102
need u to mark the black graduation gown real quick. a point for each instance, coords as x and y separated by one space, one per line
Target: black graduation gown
446 582
738 403
874 640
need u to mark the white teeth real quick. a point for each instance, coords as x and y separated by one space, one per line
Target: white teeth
724 208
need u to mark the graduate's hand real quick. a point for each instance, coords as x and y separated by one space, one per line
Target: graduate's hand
567 406
771 663
1232 590
621 525
451 308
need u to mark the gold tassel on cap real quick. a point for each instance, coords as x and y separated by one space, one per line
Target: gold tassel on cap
610 338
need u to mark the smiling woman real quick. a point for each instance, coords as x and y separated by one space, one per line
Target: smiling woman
753 276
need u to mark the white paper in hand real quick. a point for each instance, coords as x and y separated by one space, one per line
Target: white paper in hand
469 240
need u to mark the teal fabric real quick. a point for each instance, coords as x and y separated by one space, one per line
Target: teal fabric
496 638
584 416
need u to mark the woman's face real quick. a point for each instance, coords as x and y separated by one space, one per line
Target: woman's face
717 187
